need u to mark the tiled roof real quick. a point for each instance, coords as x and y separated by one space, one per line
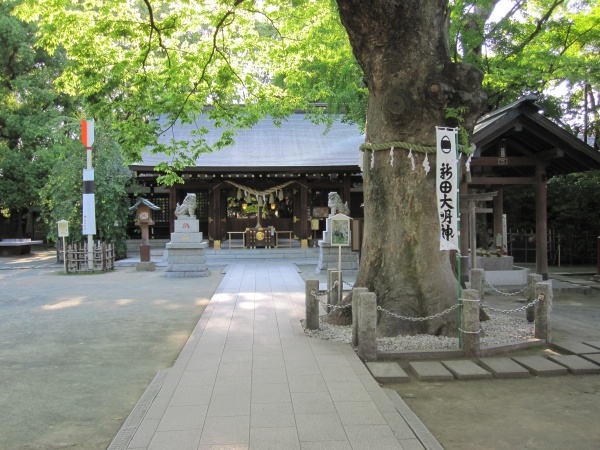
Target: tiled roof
296 143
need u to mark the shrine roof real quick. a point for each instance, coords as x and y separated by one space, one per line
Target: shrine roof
524 132
296 144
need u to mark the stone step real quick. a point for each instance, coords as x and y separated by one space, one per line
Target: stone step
595 344
575 364
387 372
540 366
464 369
593 357
431 371
574 348
502 367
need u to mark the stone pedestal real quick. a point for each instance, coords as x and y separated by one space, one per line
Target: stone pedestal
329 256
186 251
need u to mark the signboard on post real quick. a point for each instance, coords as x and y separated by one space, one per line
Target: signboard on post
447 187
340 230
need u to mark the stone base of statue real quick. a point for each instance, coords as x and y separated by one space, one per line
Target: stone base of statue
186 251
329 256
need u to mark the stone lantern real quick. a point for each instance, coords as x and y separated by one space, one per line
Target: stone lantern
143 209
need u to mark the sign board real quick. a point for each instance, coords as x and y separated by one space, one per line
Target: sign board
63 228
340 230
87 132
447 186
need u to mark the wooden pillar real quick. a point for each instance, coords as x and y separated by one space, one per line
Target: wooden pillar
304 231
464 232
541 224
498 212
472 234
214 209
172 206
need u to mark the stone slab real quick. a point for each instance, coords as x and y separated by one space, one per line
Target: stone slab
540 366
575 364
431 371
595 344
145 267
464 369
387 372
186 237
186 245
593 357
186 274
574 348
503 367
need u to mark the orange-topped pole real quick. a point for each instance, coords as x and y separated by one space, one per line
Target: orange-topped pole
89 204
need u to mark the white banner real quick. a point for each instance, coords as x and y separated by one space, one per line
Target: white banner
447 187
89 203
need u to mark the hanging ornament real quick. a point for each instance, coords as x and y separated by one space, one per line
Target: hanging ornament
468 163
392 156
280 196
426 164
412 159
372 159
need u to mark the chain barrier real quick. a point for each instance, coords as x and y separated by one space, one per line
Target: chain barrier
328 306
511 311
508 294
417 319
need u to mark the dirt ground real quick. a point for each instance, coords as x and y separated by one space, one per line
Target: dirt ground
560 412
78 351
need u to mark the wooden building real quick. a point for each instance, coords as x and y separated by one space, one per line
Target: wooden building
517 145
289 169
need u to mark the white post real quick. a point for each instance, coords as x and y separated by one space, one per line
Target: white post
65 254
89 207
339 275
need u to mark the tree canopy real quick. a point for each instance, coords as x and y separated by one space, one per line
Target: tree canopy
136 60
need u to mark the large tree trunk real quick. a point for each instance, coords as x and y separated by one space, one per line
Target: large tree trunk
402 47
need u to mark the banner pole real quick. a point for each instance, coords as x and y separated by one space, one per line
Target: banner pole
458 256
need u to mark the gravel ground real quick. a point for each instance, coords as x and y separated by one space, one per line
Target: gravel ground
500 329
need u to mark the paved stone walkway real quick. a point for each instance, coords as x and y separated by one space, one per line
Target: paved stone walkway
249 378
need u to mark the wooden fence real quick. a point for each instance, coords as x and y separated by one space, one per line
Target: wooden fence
77 257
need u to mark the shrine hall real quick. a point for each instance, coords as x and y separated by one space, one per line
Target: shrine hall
280 176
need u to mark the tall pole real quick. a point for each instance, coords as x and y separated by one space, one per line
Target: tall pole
89 206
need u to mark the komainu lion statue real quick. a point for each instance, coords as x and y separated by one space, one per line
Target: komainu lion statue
187 208
337 206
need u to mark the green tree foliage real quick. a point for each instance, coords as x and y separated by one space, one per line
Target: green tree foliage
30 108
544 47
574 203
134 61
62 193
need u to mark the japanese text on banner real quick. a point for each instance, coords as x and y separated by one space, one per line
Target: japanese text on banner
447 187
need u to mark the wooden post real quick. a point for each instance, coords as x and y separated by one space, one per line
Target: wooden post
541 225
